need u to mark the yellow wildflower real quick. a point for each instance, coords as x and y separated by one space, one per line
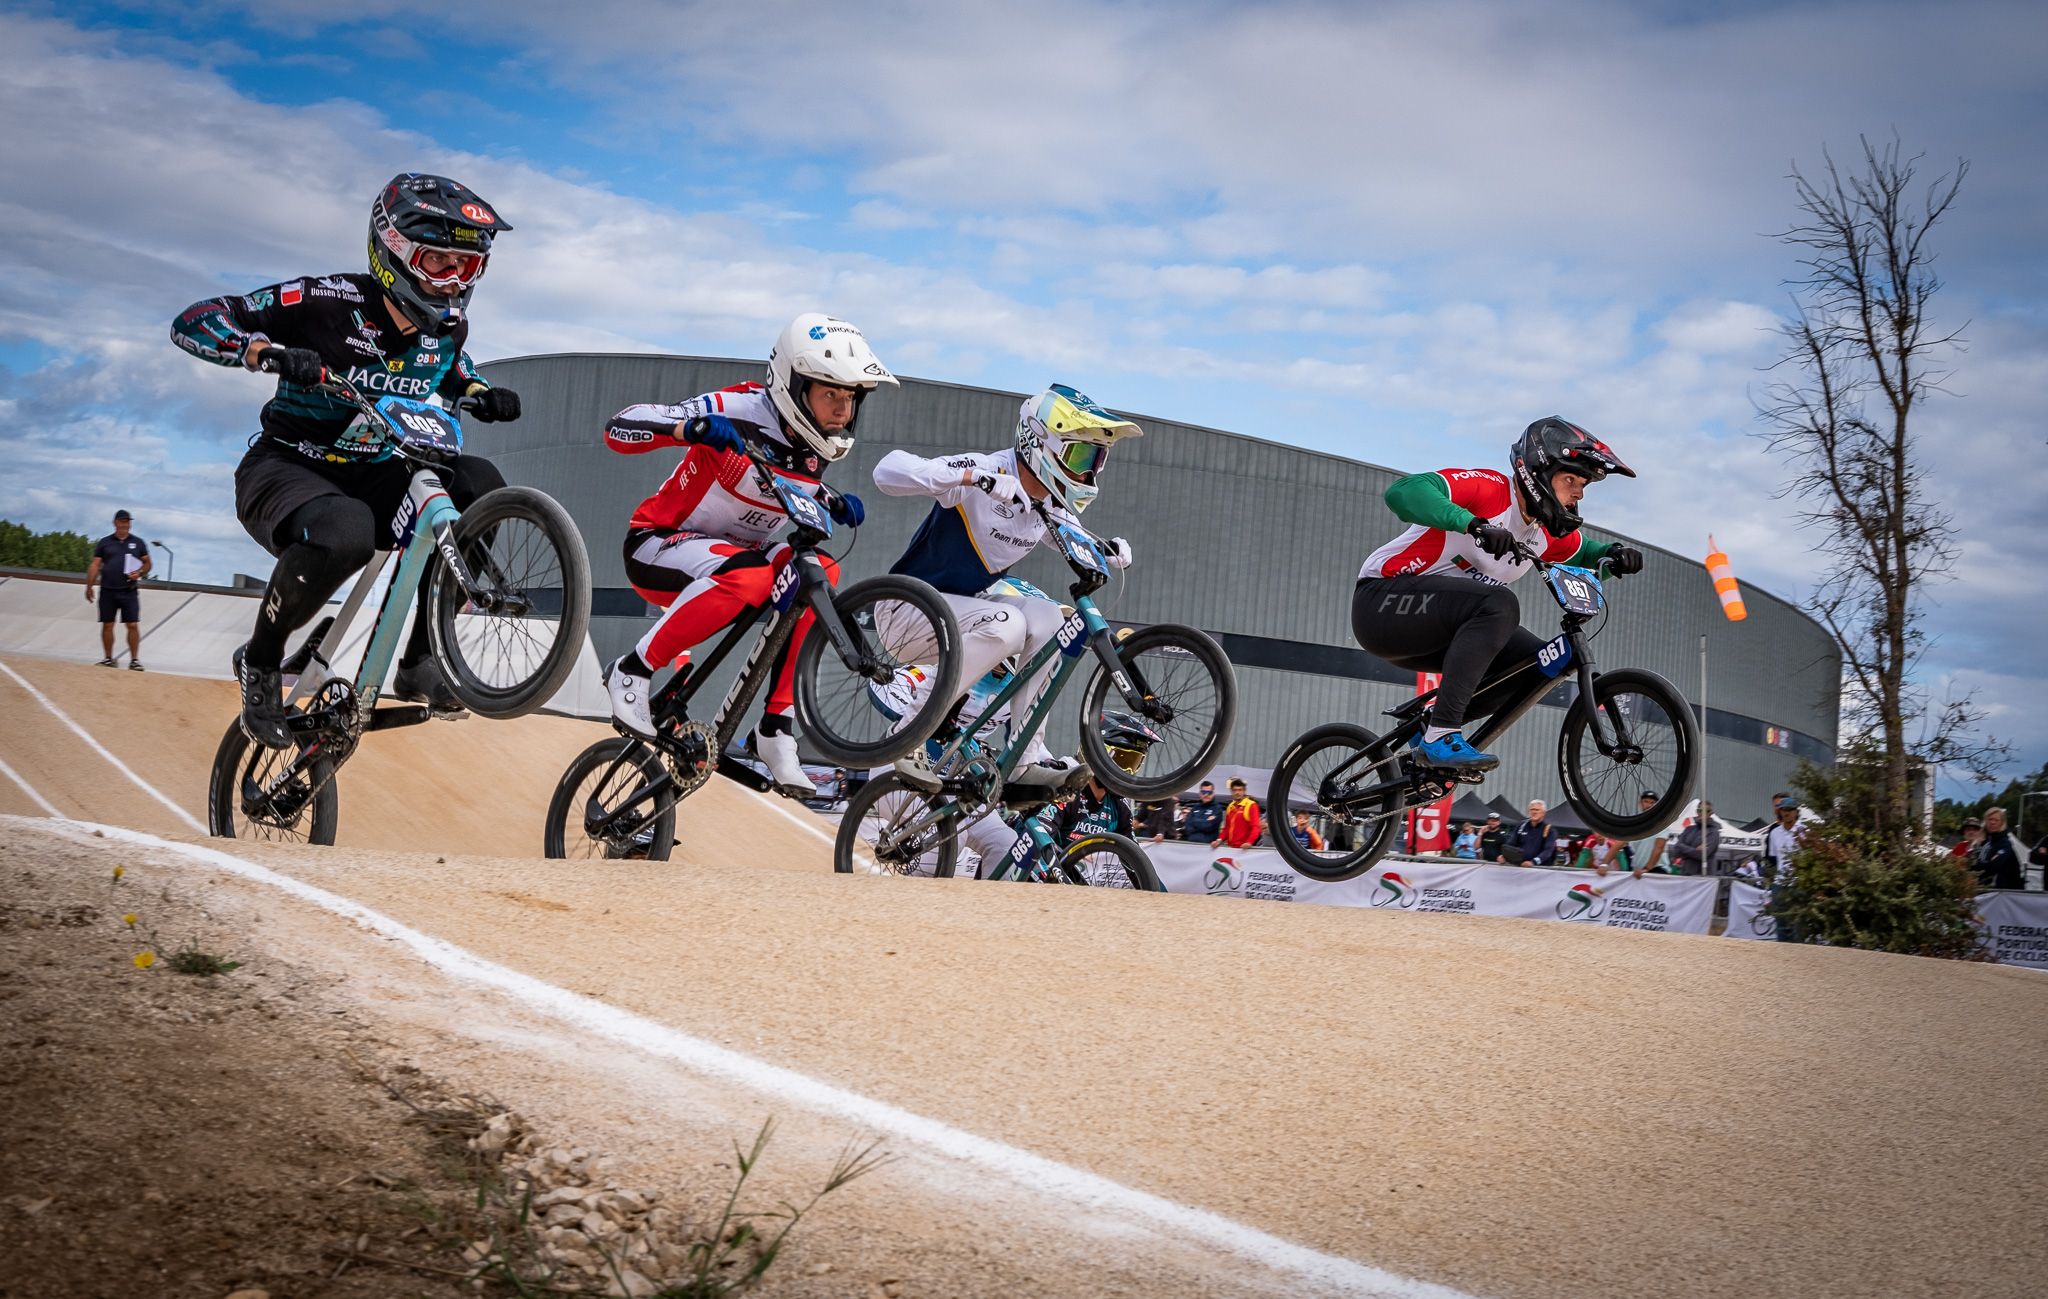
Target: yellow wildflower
118 870
130 919
143 960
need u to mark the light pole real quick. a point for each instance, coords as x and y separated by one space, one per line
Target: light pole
171 568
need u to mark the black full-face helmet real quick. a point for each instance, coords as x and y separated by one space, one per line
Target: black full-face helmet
417 214
1547 446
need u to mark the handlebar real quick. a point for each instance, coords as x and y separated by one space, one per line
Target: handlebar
336 384
1603 566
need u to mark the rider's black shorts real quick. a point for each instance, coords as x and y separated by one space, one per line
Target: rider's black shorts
271 483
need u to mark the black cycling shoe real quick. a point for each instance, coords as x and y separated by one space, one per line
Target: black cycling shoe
264 719
424 682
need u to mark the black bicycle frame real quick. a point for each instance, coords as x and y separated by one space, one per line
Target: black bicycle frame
1419 785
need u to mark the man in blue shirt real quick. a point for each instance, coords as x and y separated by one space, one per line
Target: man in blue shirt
1204 821
1535 841
119 561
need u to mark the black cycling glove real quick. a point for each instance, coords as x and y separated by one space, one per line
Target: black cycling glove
1492 538
298 365
1623 560
495 404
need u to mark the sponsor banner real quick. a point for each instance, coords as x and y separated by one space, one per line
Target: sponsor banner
2015 927
1746 918
1429 827
1667 903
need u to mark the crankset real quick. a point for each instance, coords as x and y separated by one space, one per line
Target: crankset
326 732
692 748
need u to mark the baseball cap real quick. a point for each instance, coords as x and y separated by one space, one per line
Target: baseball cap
119 515
1972 823
1788 806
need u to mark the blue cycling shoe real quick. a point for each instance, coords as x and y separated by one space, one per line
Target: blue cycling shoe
1453 751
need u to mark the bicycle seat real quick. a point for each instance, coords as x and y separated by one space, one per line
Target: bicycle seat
1408 708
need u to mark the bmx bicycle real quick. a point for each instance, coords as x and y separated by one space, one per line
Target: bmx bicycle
508 606
1097 858
618 797
1626 732
1172 681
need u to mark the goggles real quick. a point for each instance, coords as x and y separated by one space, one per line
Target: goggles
1082 460
462 269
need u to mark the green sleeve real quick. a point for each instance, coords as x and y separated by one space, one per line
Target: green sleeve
1590 552
1426 499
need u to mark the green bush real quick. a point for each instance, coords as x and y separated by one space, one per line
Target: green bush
58 552
1856 884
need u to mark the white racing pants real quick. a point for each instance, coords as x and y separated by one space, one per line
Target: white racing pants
992 628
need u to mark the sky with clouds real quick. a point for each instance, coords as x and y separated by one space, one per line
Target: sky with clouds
1393 231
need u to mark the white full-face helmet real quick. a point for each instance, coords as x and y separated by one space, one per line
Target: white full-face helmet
1063 438
817 348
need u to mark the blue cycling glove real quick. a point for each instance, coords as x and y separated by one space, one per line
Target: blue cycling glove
714 431
846 509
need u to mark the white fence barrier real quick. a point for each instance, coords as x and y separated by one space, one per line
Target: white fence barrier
1661 903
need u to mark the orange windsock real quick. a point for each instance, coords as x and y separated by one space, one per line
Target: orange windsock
1724 581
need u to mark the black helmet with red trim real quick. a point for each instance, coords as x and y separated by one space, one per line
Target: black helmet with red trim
417 215
1547 447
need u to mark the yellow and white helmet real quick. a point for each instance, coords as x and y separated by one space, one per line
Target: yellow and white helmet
817 347
1063 438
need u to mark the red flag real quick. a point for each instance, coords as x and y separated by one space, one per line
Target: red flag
1429 826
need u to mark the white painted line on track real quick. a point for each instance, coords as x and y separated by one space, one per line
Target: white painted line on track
1051 1181
30 790
774 802
101 749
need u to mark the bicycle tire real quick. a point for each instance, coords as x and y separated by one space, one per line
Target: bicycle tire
1136 868
604 759
1165 650
532 668
848 850
1341 742
1663 725
829 713
239 758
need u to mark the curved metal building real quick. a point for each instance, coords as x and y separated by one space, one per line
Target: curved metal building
1257 543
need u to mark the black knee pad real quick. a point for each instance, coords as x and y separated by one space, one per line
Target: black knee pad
471 477
326 540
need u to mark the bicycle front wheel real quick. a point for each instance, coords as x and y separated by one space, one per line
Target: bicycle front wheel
600 810
1186 672
1107 861
1658 753
892 827
895 623
508 657
1323 773
245 798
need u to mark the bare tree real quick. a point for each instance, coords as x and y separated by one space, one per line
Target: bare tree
1867 355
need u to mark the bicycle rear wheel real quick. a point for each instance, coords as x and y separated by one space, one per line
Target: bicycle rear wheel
885 832
603 779
1187 672
241 803
523 549
1315 775
836 706
1107 861
1662 756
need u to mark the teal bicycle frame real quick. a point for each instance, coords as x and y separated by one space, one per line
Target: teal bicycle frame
425 522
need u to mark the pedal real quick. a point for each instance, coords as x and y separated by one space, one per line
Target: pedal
736 770
302 657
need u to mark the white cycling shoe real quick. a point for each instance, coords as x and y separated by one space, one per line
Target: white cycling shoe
629 700
778 754
1039 766
916 769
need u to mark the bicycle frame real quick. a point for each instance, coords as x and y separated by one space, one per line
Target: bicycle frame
1515 698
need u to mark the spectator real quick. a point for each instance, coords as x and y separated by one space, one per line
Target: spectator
1535 841
1641 862
1697 843
1241 824
1155 821
1598 853
119 561
1492 837
839 790
1973 839
1204 821
1998 858
1305 834
1781 841
1466 845
1777 799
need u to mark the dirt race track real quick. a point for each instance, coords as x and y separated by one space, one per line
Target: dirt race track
1265 1099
